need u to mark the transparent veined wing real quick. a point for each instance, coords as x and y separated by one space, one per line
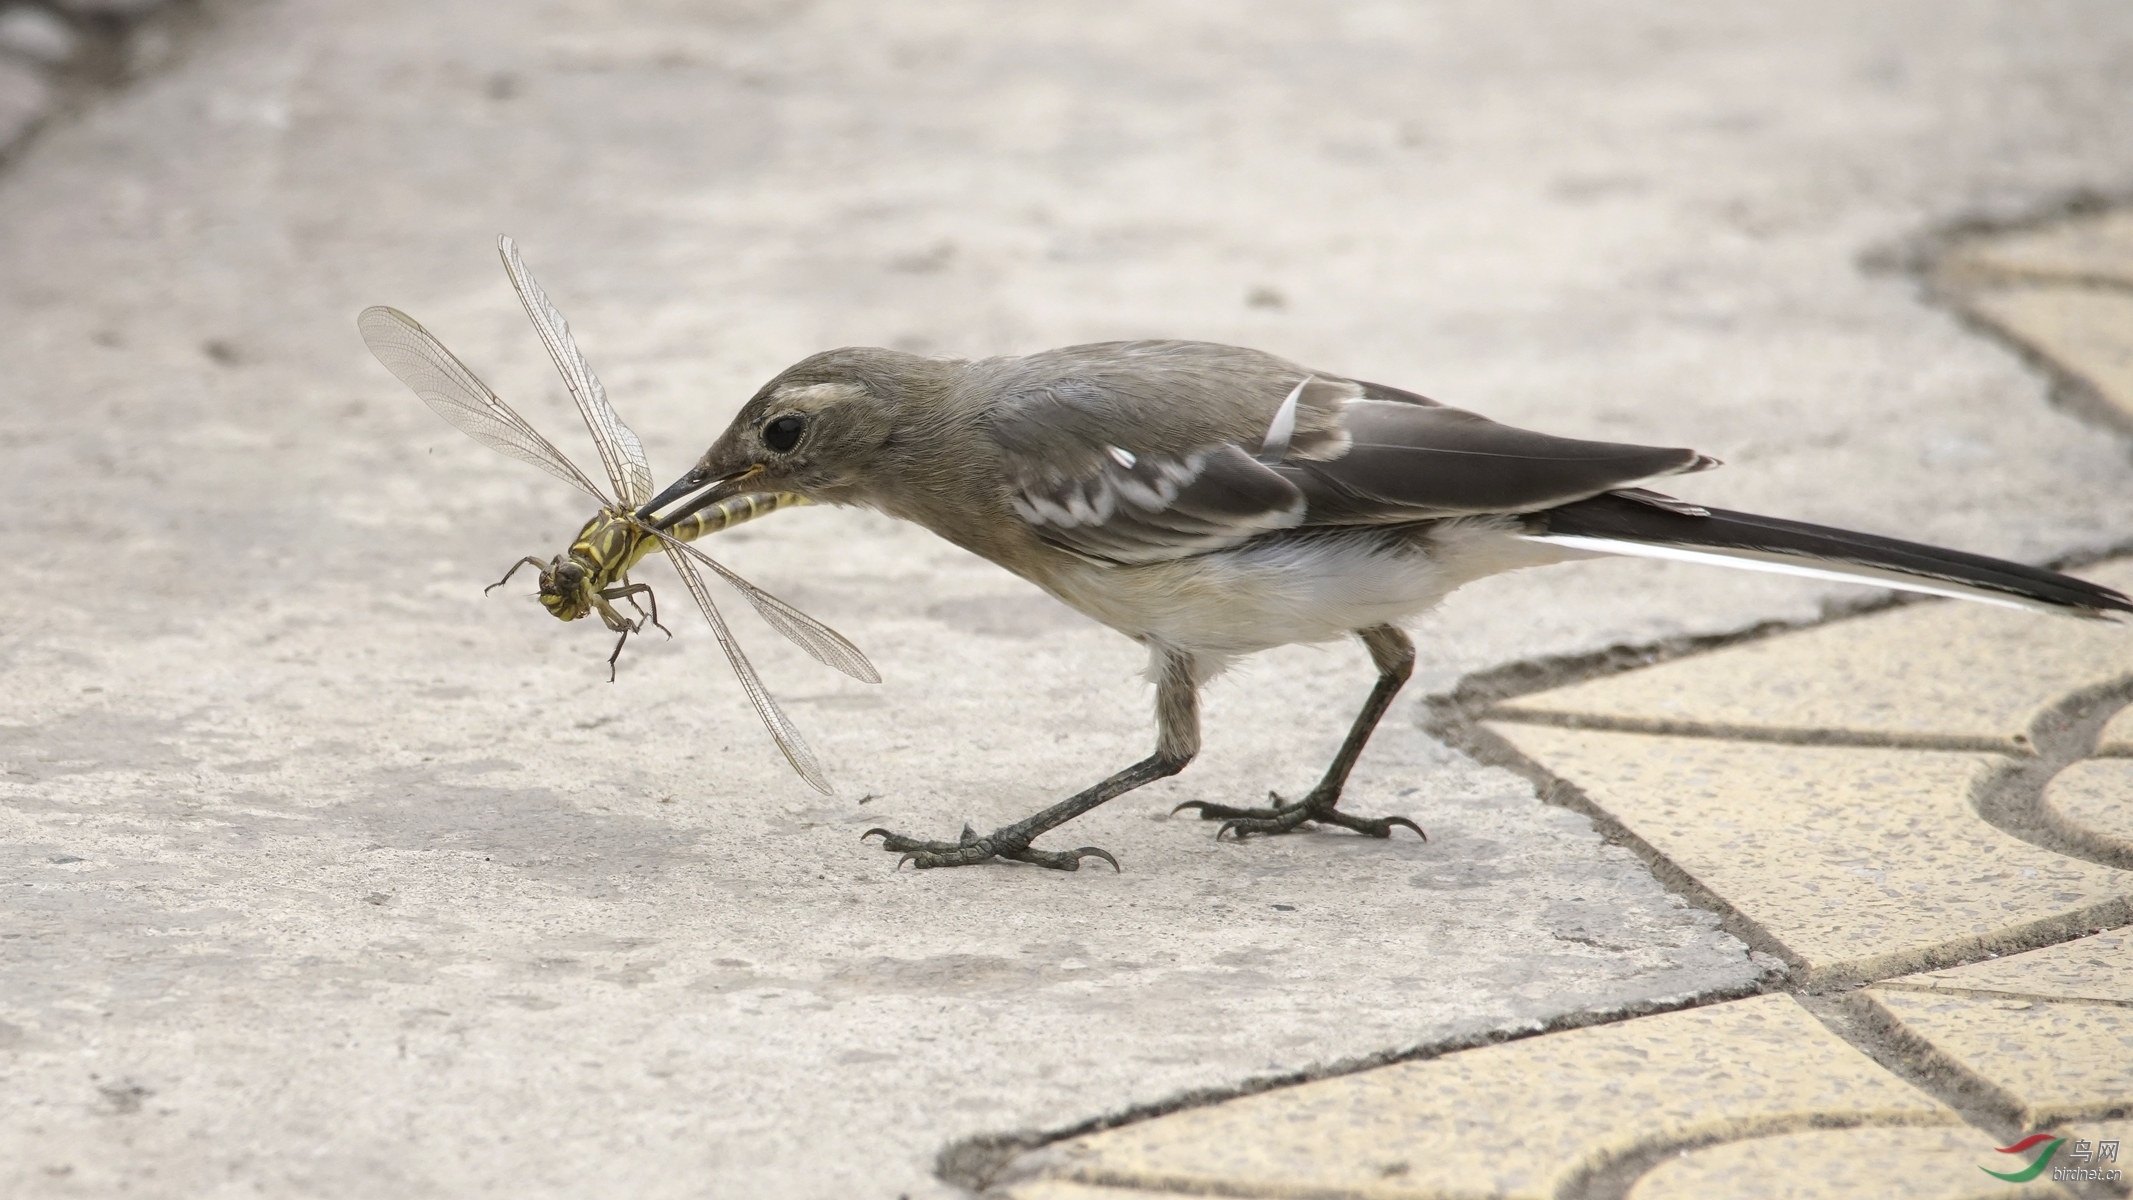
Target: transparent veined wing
620 451
444 383
826 645
782 730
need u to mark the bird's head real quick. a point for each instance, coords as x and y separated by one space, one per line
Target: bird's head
821 429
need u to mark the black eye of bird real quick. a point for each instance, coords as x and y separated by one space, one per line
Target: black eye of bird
783 433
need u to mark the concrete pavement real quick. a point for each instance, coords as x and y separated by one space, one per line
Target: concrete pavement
333 877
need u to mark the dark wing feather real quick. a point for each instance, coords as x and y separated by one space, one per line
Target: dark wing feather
1407 461
1619 522
1379 391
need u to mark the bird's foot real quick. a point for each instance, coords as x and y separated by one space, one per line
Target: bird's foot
1282 817
1007 843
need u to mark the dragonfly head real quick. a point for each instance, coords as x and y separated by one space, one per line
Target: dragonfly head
566 588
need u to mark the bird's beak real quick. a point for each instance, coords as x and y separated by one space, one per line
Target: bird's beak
708 490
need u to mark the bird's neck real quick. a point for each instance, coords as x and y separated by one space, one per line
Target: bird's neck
966 507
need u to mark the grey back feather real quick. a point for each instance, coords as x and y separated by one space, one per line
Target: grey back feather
1144 451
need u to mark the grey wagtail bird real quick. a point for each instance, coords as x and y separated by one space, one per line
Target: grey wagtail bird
1210 501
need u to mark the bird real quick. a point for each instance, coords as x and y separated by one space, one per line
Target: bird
1212 501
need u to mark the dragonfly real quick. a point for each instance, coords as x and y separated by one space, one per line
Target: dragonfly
592 576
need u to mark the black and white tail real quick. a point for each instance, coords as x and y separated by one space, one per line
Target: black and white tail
1645 524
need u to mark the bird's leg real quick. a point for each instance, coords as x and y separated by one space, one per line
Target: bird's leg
1395 659
1177 712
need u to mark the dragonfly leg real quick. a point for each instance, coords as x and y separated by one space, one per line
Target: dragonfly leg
538 565
616 622
630 592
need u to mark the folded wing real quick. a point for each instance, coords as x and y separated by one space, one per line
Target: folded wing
1323 451
1408 462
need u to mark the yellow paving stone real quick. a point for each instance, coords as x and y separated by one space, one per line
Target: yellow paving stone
1514 1120
2095 796
1947 669
2117 736
2062 1060
1844 1164
2085 330
2098 967
1857 860
2097 246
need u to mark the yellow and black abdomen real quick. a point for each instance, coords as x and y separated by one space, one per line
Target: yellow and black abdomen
734 510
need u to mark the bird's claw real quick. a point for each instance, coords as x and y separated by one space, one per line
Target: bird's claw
1383 827
1281 817
971 849
1064 860
1210 811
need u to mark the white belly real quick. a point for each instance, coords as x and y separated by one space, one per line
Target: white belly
1304 588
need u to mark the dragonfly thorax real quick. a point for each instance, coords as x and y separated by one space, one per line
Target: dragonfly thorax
600 556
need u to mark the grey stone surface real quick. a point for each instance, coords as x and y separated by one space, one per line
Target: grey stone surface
327 875
121 9
35 33
25 99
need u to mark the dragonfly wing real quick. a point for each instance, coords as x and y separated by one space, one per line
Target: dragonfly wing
620 451
420 361
826 645
782 730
